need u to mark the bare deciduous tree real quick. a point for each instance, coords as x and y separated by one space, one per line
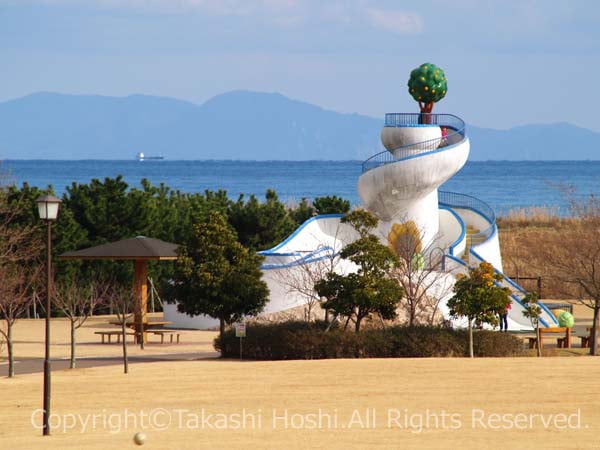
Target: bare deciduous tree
16 284
19 248
122 301
77 302
421 275
576 265
300 279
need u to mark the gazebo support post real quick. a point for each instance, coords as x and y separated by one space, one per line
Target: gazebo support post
139 249
140 289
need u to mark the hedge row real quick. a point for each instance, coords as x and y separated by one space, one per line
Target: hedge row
302 340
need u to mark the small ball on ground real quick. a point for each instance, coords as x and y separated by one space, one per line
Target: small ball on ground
139 438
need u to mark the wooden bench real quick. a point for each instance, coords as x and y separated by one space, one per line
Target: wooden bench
112 333
163 333
532 342
585 341
562 342
109 334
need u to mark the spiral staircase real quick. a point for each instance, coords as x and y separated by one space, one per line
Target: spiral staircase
394 180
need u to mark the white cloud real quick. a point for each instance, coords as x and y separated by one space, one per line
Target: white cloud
280 13
395 21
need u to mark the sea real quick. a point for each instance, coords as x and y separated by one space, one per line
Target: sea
505 185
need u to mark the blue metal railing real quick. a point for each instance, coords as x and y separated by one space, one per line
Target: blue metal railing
415 119
455 133
518 292
458 200
464 201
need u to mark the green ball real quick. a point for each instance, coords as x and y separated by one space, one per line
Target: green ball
566 319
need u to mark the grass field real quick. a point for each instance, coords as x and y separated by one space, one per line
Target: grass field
363 403
389 387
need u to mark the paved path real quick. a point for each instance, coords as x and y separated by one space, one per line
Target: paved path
25 366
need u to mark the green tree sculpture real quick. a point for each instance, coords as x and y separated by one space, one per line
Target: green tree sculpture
427 85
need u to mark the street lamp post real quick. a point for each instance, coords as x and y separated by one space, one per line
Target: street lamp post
48 209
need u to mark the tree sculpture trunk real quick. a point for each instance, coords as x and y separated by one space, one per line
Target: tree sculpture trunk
471 339
72 344
426 109
124 336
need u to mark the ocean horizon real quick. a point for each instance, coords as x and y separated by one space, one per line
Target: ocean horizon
504 185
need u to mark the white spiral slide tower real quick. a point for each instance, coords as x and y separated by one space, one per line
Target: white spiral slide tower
400 185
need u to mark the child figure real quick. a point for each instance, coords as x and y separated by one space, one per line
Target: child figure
504 319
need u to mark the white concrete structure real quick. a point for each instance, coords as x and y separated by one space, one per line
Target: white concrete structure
414 136
398 185
406 189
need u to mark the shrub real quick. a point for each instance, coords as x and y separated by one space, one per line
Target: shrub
303 340
424 341
493 343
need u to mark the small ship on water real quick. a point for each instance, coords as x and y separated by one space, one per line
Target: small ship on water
141 157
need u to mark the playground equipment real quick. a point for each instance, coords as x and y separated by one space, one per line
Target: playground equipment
400 186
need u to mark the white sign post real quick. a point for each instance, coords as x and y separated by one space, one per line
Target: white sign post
240 332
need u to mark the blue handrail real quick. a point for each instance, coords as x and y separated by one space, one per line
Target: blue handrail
463 229
412 119
519 289
464 201
453 123
311 257
458 200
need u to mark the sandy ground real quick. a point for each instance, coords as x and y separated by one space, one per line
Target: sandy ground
367 402
29 339
509 403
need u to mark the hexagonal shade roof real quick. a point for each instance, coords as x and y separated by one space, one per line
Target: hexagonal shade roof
137 248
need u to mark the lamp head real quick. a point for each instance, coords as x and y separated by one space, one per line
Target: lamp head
48 207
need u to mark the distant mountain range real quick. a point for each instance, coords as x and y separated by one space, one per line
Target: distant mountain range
238 125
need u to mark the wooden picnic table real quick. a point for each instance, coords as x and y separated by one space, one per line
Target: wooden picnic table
149 325
145 325
563 342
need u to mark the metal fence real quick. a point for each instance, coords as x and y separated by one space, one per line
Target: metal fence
564 306
454 125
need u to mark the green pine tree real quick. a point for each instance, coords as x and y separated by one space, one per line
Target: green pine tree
369 290
217 276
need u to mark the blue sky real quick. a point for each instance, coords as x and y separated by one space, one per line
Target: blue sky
507 62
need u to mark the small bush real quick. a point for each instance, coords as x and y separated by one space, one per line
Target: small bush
493 343
303 340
